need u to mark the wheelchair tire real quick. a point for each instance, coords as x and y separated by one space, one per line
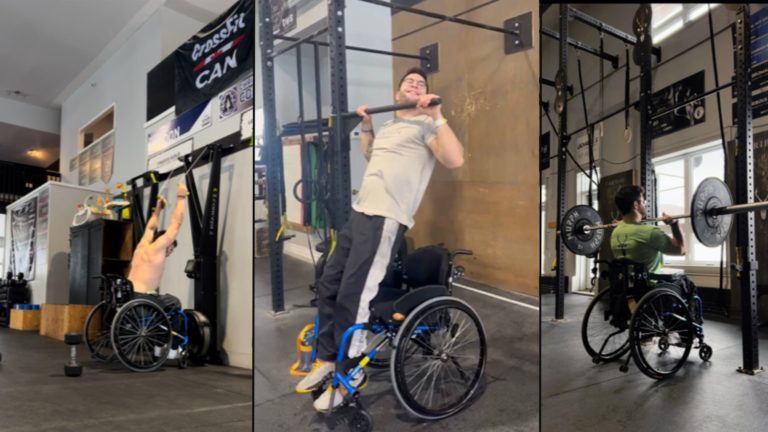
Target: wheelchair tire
97 335
596 330
459 354
141 335
661 332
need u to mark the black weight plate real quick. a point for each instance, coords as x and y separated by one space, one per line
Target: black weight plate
559 104
199 333
711 230
641 51
560 81
641 24
573 235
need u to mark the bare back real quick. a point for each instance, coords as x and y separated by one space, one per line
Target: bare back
147 267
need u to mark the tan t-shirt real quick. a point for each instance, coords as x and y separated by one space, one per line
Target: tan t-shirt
399 170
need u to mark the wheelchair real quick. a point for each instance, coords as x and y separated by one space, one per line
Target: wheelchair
433 343
659 330
143 331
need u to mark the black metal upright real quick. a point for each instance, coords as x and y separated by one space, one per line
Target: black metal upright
274 155
205 241
562 163
744 188
646 131
341 189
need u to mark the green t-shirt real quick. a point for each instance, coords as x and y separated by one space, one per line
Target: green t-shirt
639 242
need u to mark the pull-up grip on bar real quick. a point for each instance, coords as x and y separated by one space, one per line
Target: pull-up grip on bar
351 119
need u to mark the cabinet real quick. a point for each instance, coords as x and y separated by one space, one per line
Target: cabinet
96 248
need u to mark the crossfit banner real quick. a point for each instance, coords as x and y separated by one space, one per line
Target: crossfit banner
23 239
212 59
179 128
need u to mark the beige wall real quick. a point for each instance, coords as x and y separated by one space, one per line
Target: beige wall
491 204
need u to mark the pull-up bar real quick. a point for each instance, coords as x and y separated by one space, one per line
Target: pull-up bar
608 29
442 17
351 119
353 48
614 59
298 42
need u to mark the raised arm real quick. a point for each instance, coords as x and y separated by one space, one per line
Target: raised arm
174 225
366 132
445 146
151 228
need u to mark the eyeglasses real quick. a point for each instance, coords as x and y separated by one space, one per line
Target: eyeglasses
418 83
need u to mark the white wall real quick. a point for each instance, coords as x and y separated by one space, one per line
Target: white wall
679 60
122 80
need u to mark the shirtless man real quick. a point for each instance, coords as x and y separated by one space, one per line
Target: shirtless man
155 246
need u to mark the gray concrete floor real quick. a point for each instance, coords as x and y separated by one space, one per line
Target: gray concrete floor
509 401
36 396
578 395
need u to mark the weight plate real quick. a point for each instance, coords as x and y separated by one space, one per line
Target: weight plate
709 229
641 24
572 230
559 104
560 81
641 51
698 112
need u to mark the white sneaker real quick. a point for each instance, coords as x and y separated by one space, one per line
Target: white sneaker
331 398
320 370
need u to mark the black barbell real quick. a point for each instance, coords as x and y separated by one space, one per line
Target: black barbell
712 209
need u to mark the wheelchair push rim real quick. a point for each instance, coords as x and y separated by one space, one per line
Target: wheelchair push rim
661 333
141 335
602 340
439 358
97 332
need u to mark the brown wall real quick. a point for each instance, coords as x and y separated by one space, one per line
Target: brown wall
491 204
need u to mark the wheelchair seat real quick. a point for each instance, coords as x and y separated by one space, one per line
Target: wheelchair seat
388 302
167 302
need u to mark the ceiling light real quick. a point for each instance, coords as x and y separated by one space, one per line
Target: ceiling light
37 154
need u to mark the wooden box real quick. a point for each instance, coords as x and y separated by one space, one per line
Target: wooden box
25 319
56 320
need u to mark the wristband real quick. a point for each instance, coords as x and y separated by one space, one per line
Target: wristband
370 131
440 122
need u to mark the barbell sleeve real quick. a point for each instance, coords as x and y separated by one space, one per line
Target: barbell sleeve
739 208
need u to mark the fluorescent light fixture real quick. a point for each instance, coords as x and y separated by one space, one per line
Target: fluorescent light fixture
671 29
699 11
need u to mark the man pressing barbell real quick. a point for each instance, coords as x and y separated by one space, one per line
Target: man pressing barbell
642 243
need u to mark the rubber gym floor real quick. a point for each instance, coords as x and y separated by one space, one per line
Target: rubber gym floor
578 395
509 399
36 396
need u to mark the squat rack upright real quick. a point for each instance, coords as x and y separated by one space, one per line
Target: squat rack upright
517 37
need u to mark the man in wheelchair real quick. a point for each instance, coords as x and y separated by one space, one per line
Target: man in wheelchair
401 160
148 262
642 246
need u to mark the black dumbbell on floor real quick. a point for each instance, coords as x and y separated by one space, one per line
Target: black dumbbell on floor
73 369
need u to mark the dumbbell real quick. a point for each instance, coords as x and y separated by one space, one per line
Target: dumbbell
73 369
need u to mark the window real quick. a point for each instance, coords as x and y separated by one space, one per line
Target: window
677 179
668 18
97 128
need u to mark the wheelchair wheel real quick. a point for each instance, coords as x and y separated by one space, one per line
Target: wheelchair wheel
439 357
97 332
141 335
661 332
603 340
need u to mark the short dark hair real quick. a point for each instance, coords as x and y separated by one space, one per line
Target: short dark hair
415 70
626 196
161 232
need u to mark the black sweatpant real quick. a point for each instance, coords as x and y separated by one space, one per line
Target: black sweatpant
364 249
